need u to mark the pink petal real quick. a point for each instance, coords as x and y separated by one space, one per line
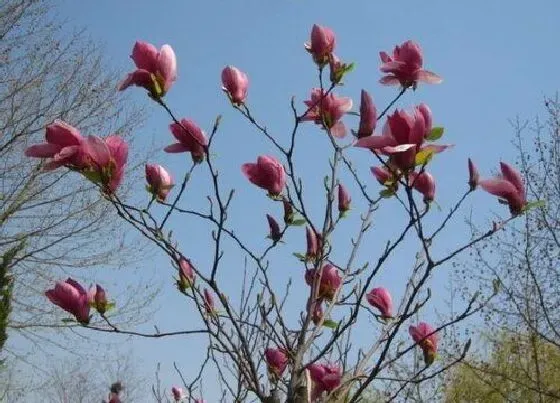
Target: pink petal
428 77
167 65
63 134
44 150
389 80
375 142
118 149
144 55
338 130
499 187
398 149
176 148
141 78
436 148
513 176
98 151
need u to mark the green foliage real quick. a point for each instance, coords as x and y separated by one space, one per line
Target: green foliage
520 368
6 287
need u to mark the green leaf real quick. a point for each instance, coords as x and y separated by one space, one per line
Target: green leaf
387 193
109 306
299 222
330 324
300 256
535 204
424 156
435 134
496 284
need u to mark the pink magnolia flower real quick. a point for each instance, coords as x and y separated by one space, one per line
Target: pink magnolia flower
71 297
156 71
404 67
423 335
209 302
159 181
64 146
381 174
368 115
190 138
509 187
330 280
267 173
275 233
186 274
427 115
325 377
321 45
474 176
276 361
380 298
312 244
106 159
97 298
327 110
177 393
235 84
424 183
402 138
344 199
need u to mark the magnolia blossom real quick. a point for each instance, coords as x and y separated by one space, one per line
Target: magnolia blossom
97 298
209 306
423 335
368 115
72 297
474 176
190 139
325 377
276 361
326 110
424 183
155 70
312 244
267 173
100 160
402 139
344 199
404 67
380 298
321 45
381 174
509 187
330 280
275 233
177 393
186 274
64 147
106 161
235 84
159 181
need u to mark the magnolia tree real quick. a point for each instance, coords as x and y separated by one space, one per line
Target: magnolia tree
259 350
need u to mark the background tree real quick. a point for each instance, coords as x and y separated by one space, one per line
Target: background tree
518 368
49 71
523 261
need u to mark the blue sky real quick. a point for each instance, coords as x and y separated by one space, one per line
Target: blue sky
497 61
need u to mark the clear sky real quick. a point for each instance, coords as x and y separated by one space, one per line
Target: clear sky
498 60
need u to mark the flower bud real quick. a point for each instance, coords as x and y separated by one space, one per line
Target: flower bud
275 233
